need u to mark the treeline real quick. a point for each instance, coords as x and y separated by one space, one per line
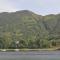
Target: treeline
25 29
9 41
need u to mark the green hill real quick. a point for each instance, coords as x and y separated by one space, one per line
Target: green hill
30 29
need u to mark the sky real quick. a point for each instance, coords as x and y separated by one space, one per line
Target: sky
42 7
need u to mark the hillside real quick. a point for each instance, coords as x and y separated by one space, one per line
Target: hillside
29 29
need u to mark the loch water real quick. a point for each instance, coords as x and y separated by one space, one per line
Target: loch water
30 55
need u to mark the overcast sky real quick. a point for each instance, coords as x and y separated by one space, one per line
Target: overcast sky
41 7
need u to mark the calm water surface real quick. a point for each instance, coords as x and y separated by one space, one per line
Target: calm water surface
30 55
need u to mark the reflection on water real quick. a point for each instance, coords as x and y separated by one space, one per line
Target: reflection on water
30 55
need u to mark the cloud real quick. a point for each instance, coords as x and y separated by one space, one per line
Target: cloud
39 6
6 6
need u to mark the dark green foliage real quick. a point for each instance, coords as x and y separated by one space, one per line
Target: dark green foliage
30 29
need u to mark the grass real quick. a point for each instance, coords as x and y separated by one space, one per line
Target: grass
45 49
26 49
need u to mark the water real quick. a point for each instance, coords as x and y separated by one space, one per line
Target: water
30 55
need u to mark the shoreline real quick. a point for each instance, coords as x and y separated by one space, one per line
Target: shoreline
13 50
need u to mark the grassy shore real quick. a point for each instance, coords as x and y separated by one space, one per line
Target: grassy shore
45 49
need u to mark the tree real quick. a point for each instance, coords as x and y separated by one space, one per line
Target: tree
2 45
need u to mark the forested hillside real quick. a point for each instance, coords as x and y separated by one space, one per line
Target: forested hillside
25 29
